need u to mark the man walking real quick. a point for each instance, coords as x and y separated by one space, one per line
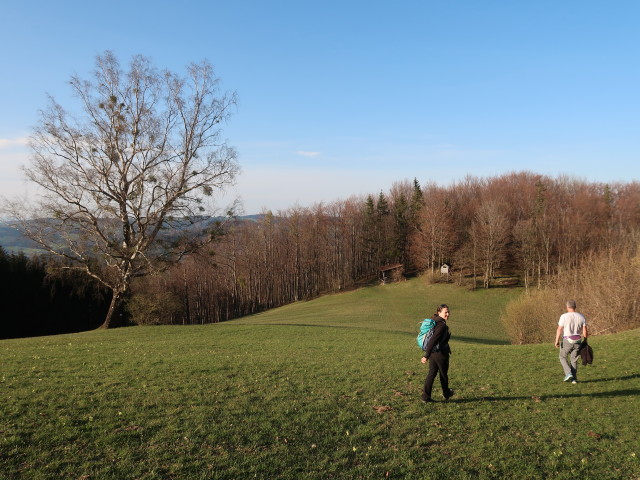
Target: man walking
572 327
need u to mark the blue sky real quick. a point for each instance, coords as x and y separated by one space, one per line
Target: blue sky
346 97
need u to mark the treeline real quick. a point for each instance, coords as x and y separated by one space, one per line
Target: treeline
530 225
543 231
40 299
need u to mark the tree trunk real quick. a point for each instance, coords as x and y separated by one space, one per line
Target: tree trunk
115 311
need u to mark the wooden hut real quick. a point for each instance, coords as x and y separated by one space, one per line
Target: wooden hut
391 273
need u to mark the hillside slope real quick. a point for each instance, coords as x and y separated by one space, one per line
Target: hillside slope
321 389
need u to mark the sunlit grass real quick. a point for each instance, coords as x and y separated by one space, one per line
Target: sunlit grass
321 389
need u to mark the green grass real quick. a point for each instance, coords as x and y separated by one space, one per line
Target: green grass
321 389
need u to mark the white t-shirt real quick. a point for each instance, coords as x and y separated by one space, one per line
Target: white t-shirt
572 323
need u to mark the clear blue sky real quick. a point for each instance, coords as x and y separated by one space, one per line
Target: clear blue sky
346 97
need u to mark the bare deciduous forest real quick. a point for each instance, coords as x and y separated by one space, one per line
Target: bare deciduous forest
529 227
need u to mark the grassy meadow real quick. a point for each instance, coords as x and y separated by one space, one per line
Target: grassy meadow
323 389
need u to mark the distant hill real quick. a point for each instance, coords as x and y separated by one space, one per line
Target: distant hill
14 242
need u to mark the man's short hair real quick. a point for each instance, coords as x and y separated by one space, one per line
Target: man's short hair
571 304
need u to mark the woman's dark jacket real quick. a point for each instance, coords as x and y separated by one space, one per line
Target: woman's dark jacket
439 341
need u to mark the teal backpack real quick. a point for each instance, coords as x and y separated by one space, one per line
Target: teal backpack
426 332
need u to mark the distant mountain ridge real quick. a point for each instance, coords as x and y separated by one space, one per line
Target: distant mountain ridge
12 241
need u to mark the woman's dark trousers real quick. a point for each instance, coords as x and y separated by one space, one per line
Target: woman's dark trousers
438 363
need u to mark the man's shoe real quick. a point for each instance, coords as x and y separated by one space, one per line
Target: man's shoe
426 400
568 377
451 394
574 381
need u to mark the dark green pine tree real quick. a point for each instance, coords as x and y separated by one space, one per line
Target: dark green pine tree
401 217
416 204
384 232
369 237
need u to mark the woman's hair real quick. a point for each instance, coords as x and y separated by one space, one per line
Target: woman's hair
442 307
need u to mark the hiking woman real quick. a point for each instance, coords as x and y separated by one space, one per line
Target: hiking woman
437 353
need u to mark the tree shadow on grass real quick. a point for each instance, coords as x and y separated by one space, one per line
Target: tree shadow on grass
542 398
284 324
482 341
612 379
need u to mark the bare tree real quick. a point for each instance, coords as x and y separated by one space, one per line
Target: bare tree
136 161
489 234
433 238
